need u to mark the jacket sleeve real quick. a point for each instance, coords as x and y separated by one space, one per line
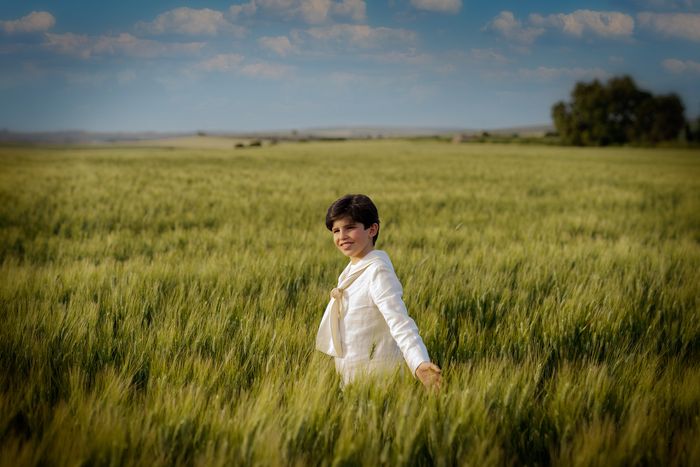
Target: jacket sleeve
386 293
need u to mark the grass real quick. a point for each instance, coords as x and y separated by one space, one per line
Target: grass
159 306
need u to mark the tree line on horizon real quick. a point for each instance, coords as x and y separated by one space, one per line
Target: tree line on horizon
618 112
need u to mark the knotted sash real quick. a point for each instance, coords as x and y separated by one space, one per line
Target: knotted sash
328 337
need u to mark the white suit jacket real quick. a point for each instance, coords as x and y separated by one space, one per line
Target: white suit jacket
376 331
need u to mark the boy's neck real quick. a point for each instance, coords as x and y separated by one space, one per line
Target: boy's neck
355 259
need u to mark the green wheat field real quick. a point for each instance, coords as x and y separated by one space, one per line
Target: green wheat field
159 305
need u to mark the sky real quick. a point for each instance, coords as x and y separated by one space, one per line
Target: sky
296 64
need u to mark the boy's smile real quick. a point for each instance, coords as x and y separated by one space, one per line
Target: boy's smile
352 239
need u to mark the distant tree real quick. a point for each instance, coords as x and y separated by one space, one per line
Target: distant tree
667 118
616 113
624 103
695 131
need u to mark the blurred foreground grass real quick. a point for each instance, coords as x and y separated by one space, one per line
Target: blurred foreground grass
160 306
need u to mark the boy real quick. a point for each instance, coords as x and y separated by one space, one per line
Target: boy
366 326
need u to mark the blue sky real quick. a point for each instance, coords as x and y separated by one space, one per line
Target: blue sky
294 64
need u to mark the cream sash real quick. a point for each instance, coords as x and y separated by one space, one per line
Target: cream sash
328 338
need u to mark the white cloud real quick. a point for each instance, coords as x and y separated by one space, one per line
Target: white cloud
360 35
315 11
36 21
355 9
677 25
236 63
609 24
124 44
439 6
221 62
511 28
267 70
677 66
580 23
279 5
243 9
411 57
280 45
552 73
309 11
69 44
347 80
189 21
487 55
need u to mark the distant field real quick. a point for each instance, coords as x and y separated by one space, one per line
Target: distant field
159 305
191 142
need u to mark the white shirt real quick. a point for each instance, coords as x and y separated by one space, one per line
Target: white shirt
376 331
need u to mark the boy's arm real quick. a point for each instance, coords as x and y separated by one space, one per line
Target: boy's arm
386 292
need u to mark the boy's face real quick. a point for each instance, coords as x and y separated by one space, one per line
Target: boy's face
352 239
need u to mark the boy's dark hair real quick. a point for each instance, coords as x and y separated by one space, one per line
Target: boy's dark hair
358 207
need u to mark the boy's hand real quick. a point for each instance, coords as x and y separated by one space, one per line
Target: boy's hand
430 375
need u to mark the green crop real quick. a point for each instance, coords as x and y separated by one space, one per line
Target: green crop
159 306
